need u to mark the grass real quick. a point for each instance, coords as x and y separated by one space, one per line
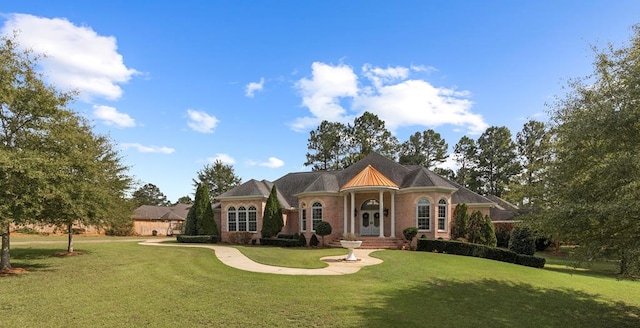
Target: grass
128 285
290 257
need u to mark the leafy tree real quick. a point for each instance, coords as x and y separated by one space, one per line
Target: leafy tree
327 146
185 200
466 156
200 220
272 221
427 149
459 222
594 181
369 134
497 161
446 173
90 183
27 107
218 177
534 150
522 240
323 228
150 194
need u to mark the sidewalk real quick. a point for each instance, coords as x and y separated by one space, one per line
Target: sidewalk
234 258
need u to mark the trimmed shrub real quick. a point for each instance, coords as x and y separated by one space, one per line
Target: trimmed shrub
302 240
474 228
285 236
522 241
240 237
202 239
313 241
409 233
477 250
488 233
530 261
281 242
323 228
543 243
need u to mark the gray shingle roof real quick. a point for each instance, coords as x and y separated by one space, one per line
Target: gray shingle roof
149 212
331 181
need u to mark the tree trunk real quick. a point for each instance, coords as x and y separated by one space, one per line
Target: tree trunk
5 261
70 234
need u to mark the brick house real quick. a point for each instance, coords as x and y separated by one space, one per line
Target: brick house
373 197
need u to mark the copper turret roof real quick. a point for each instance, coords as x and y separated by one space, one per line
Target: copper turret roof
370 177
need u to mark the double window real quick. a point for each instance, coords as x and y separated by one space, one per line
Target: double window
316 214
423 214
242 219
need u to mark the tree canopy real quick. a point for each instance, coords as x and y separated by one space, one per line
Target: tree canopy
150 194
218 178
427 149
594 179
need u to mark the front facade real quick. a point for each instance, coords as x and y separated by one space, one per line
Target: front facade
373 197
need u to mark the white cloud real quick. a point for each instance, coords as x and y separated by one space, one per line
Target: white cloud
273 163
392 95
147 149
224 158
76 56
253 87
201 121
111 116
322 93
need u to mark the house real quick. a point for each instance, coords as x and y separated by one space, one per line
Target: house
373 197
164 220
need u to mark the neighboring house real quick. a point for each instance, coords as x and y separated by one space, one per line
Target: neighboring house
373 197
164 220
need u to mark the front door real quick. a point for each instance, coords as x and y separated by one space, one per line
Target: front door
370 223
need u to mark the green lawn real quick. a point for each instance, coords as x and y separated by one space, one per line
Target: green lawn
125 285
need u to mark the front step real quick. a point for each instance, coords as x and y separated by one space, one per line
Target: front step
373 242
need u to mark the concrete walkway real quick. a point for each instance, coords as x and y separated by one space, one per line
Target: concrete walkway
234 258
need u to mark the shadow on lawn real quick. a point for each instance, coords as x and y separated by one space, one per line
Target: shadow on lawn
492 303
30 258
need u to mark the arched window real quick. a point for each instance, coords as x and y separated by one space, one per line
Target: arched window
253 219
242 218
232 223
316 214
303 218
442 215
423 214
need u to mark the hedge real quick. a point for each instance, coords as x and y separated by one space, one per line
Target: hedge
477 250
202 239
282 242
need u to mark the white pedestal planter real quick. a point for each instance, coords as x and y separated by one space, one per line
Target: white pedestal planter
350 245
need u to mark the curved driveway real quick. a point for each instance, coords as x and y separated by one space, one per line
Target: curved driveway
234 258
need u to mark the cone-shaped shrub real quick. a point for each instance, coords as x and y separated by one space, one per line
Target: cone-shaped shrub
272 221
200 217
522 241
460 221
488 232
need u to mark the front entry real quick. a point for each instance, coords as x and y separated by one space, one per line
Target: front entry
370 223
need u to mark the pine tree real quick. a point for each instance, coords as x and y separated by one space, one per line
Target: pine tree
272 221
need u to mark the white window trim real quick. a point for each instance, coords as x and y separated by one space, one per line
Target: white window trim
430 221
444 218
321 214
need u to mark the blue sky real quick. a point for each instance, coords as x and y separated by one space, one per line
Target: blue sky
178 84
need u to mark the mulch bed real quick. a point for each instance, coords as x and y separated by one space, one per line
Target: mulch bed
12 272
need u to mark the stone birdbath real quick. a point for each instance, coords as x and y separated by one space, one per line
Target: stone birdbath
349 242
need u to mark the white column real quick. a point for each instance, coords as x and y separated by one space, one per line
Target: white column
353 214
393 214
381 214
344 215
